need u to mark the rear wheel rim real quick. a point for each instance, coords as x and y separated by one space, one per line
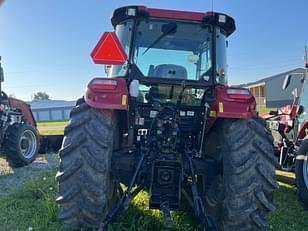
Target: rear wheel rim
28 144
305 171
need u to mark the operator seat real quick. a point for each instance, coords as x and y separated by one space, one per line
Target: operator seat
170 71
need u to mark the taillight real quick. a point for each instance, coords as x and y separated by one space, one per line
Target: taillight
103 84
239 93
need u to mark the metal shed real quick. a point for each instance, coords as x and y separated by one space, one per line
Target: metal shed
269 93
51 110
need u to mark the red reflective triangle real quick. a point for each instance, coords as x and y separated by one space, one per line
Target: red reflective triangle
109 50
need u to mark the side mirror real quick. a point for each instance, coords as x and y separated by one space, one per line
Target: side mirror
306 65
300 109
1 75
1 72
286 82
193 58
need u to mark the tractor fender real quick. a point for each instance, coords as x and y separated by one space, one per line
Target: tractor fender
302 151
300 171
107 93
302 133
25 109
233 102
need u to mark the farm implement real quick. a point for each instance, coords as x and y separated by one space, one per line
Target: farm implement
289 126
19 140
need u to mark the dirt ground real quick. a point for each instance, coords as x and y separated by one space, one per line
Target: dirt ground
12 179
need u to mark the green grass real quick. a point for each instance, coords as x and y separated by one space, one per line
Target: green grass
290 214
34 206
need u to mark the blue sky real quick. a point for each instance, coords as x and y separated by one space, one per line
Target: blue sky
46 45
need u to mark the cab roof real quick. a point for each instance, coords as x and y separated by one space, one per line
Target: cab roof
127 12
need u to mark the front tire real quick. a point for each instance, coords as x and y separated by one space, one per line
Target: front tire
86 190
21 145
241 198
301 172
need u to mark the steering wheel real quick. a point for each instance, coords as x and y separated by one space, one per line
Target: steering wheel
3 96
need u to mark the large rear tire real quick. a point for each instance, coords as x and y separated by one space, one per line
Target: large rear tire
21 145
241 198
301 172
86 189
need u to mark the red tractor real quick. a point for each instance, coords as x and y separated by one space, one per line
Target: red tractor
289 127
164 120
19 139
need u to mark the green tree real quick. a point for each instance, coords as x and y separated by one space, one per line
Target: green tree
40 96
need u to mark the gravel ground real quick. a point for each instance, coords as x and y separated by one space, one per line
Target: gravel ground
13 179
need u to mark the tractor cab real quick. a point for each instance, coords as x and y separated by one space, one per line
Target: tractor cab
168 55
166 48
173 45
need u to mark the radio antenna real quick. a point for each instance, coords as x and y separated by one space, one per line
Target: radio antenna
212 5
305 55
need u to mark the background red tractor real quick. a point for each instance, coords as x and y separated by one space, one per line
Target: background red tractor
19 140
289 126
164 120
